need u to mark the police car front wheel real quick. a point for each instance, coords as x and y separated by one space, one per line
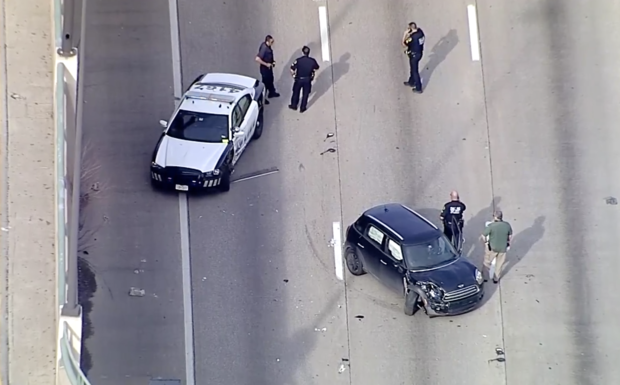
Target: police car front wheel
225 183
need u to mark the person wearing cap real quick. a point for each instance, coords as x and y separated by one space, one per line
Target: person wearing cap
266 63
413 42
497 236
452 218
303 70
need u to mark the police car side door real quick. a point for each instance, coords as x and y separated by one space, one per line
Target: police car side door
242 128
248 124
237 134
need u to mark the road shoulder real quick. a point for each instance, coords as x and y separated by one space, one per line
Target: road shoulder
27 172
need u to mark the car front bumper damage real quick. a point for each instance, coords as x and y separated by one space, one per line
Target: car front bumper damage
452 303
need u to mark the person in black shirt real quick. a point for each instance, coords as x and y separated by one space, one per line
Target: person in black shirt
452 218
303 70
266 61
413 41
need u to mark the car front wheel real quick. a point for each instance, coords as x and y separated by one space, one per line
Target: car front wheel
354 263
225 182
411 302
258 131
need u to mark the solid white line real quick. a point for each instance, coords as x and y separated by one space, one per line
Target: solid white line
176 48
188 318
338 251
473 32
253 176
324 27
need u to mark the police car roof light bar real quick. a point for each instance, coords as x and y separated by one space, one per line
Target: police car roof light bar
208 96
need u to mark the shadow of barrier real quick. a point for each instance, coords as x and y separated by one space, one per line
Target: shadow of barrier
67 115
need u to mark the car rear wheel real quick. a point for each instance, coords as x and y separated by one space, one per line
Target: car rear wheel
354 263
258 131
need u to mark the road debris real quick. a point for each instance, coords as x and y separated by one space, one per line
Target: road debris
135 292
332 150
359 317
320 330
611 201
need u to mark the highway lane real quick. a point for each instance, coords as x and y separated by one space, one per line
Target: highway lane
551 73
262 271
131 233
413 149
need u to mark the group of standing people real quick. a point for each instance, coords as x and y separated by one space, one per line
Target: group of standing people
496 236
302 70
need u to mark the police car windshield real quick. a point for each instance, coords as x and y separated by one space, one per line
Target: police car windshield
199 127
427 255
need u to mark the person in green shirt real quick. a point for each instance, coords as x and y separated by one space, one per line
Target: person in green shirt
497 236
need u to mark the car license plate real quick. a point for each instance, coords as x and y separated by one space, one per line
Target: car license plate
181 187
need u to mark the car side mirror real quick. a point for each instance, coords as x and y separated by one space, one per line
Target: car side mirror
239 133
163 123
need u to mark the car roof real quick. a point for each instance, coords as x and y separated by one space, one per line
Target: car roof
214 94
411 227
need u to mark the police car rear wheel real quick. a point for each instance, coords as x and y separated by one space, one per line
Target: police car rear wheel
259 126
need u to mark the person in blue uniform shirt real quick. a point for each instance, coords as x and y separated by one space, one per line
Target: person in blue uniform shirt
303 70
266 63
413 41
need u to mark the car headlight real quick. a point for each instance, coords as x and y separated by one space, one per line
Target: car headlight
479 277
155 165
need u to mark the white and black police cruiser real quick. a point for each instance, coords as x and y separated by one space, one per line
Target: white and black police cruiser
215 121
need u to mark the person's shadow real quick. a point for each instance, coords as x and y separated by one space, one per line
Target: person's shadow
329 76
522 243
438 54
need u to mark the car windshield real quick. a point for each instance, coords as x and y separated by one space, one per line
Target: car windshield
429 254
199 127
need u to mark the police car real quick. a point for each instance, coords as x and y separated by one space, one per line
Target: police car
215 121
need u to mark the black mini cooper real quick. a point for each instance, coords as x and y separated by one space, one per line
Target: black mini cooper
411 256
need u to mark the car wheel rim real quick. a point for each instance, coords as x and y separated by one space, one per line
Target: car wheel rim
353 262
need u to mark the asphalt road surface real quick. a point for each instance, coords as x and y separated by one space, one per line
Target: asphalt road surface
527 126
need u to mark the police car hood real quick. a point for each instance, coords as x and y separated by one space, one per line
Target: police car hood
195 155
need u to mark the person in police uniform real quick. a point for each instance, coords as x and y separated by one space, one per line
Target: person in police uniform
452 217
266 63
413 42
303 70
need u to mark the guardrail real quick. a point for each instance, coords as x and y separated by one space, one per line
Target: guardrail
68 122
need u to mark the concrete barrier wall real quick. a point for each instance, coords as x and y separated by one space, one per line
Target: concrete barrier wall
67 17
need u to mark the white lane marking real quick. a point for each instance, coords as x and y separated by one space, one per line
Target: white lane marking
473 32
188 317
324 27
176 48
338 251
254 176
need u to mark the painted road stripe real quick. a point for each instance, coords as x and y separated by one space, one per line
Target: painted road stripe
324 27
188 316
474 40
338 251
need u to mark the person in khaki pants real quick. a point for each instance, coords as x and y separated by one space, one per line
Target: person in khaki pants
497 236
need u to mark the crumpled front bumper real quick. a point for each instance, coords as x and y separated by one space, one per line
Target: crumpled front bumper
436 308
